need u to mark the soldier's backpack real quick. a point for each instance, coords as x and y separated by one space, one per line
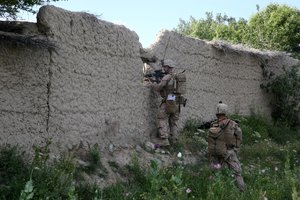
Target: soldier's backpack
221 138
180 88
180 83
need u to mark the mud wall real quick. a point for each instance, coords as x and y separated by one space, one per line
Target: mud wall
23 95
89 88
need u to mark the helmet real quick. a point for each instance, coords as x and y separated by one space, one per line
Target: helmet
222 108
169 63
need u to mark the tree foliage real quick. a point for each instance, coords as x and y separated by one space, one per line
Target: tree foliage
221 27
11 8
277 27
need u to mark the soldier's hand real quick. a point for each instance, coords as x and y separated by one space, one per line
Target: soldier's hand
167 77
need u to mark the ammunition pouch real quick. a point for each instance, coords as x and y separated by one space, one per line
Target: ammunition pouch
171 106
180 100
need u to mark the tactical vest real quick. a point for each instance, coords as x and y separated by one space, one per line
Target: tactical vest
171 105
175 86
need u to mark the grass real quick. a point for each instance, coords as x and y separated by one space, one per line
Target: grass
269 155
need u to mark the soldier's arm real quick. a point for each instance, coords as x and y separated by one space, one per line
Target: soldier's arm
238 134
163 82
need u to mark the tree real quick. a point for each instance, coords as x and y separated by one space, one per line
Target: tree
277 28
233 31
203 28
11 8
285 101
221 27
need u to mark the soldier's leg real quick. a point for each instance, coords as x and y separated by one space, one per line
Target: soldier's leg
215 162
163 125
173 123
235 165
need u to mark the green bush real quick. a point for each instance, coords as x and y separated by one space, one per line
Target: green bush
192 138
270 170
283 134
54 181
254 127
13 172
89 191
285 90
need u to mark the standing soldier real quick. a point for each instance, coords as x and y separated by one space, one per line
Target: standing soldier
224 141
168 113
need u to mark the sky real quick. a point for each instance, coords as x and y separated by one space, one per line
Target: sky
147 18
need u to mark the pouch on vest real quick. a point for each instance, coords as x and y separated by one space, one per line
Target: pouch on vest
180 83
233 135
216 142
180 100
171 106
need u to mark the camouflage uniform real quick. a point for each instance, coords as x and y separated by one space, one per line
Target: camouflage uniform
231 159
233 163
166 122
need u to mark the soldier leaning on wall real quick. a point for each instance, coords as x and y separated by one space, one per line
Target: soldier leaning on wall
224 141
168 112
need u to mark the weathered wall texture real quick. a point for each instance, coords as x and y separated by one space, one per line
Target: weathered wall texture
89 89
23 95
95 75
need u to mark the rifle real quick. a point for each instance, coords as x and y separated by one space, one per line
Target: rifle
206 125
157 75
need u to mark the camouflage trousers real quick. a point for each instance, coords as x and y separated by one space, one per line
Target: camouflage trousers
233 163
167 125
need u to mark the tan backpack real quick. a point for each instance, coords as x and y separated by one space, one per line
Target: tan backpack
180 83
229 135
180 88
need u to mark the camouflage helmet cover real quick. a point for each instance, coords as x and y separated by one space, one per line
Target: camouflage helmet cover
222 108
169 62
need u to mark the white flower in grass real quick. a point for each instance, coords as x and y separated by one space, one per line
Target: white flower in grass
188 190
126 194
215 165
179 155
